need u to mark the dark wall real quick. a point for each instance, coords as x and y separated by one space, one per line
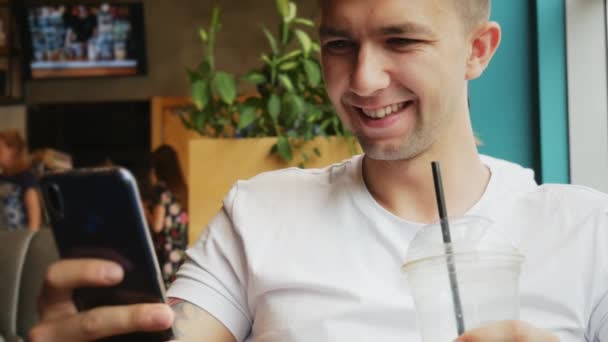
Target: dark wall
92 133
173 44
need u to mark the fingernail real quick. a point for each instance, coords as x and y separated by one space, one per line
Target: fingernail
161 316
113 273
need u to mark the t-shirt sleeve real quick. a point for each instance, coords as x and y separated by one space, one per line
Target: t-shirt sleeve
214 275
598 322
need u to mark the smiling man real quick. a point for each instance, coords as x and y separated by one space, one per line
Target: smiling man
315 255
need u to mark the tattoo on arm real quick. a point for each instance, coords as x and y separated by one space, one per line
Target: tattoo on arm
187 320
193 323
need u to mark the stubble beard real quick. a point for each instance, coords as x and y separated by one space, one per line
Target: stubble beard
410 146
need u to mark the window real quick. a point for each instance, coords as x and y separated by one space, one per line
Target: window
588 92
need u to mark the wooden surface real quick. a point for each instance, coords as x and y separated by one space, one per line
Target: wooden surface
167 128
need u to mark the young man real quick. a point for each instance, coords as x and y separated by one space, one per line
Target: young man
315 255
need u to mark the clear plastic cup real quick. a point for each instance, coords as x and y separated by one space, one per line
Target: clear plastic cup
483 263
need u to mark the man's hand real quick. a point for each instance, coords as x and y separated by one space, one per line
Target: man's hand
508 331
60 321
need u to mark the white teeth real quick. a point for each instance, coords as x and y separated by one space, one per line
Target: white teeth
382 112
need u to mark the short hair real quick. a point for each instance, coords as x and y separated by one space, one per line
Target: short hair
473 12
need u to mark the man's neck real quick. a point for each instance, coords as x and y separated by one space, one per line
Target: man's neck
406 188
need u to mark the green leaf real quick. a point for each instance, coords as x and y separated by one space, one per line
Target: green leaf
271 40
304 22
313 115
293 106
274 107
323 127
274 149
284 148
283 7
313 73
286 82
304 41
267 60
225 86
255 77
203 35
292 54
200 94
247 117
317 151
200 119
316 47
289 66
291 12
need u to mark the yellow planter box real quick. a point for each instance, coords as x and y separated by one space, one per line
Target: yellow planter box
216 164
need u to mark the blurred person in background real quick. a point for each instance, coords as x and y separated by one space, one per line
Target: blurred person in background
19 196
167 210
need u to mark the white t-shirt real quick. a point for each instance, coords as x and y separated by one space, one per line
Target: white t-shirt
309 255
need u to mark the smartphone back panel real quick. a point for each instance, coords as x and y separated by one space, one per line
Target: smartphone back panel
97 213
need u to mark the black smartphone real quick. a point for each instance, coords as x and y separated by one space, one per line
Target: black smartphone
97 213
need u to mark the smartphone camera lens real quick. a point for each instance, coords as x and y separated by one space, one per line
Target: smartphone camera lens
54 200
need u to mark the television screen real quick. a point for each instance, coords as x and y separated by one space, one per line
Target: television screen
85 40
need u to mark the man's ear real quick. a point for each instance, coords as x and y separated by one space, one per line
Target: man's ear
484 43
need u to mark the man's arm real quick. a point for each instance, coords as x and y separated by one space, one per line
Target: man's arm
195 324
32 207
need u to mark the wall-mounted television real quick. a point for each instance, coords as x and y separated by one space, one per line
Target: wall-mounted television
82 40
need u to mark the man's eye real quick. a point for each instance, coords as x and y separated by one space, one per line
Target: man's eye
339 46
402 42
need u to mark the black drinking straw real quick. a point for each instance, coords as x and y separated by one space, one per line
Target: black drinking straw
447 240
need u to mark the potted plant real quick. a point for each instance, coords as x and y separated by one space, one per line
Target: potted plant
290 105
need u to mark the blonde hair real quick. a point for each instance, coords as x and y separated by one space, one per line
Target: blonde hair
14 140
472 12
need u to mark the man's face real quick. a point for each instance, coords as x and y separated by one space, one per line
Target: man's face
395 71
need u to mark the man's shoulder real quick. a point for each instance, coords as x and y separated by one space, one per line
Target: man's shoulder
519 182
575 196
295 177
293 184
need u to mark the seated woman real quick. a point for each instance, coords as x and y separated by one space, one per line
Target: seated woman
167 205
19 197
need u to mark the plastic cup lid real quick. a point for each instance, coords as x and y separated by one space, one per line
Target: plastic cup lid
469 234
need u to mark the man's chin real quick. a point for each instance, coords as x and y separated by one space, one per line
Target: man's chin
383 152
390 151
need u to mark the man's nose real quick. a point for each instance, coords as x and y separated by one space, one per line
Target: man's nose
369 74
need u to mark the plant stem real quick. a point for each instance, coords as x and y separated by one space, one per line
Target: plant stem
212 32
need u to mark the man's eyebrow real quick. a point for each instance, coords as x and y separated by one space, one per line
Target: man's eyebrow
406 28
327 31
